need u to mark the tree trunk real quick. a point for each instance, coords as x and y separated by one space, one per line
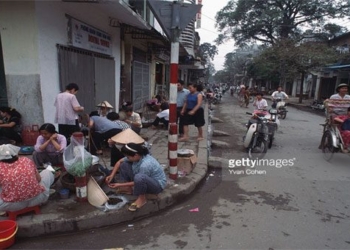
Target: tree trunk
301 87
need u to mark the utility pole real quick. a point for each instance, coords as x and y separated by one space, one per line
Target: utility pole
173 17
174 66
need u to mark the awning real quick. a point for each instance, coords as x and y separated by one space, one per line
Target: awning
117 10
339 66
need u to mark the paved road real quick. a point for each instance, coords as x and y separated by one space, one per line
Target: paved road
304 205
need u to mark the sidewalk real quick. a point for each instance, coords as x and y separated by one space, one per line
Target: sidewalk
68 215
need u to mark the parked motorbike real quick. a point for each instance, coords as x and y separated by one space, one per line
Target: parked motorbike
318 105
256 139
217 98
280 106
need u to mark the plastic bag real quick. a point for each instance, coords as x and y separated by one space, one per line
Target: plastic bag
107 207
76 158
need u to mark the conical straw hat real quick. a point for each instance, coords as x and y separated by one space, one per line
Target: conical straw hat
104 104
127 136
95 194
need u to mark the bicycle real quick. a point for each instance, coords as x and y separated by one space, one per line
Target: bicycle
332 141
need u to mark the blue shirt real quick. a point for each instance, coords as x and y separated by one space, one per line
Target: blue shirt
102 124
181 97
149 166
192 100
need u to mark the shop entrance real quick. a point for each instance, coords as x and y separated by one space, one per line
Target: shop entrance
94 74
3 90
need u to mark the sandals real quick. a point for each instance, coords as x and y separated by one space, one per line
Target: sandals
133 207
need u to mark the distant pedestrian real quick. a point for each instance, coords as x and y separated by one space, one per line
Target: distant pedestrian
67 108
193 113
181 97
246 97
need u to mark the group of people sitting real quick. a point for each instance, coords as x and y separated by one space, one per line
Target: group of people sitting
21 184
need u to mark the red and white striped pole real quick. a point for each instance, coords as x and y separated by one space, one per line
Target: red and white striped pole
172 138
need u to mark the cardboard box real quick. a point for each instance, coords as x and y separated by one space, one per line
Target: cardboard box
186 164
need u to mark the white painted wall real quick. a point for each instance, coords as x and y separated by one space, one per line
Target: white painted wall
19 37
30 31
52 25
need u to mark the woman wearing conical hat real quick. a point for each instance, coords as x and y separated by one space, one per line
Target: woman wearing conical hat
104 108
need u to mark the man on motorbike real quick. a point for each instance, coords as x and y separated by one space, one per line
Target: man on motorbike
260 103
260 107
278 95
260 110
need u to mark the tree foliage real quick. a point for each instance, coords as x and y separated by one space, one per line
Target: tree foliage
208 51
289 60
269 21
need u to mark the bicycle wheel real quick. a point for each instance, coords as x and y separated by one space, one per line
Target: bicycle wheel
327 146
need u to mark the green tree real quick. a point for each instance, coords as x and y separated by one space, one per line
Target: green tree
291 60
269 21
208 51
221 76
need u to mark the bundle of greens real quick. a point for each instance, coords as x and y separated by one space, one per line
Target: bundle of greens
77 160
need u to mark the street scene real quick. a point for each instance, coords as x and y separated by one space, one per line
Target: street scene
304 205
187 124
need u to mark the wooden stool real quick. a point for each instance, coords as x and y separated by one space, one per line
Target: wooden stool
12 215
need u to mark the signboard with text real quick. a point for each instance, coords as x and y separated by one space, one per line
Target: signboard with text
87 37
199 16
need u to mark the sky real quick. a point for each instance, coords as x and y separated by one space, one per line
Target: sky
208 32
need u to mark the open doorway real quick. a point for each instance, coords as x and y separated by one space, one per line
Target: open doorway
3 90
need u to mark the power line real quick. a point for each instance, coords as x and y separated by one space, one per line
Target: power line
209 17
209 30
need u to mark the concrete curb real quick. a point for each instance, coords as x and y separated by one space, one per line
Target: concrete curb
68 216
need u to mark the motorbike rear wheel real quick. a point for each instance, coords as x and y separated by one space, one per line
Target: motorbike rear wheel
327 146
283 115
271 137
259 150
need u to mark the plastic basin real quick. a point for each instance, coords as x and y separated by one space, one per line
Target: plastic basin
8 230
7 227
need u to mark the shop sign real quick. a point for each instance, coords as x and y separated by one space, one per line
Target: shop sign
87 37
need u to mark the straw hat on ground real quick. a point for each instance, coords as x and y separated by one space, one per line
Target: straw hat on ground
104 104
95 194
127 136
